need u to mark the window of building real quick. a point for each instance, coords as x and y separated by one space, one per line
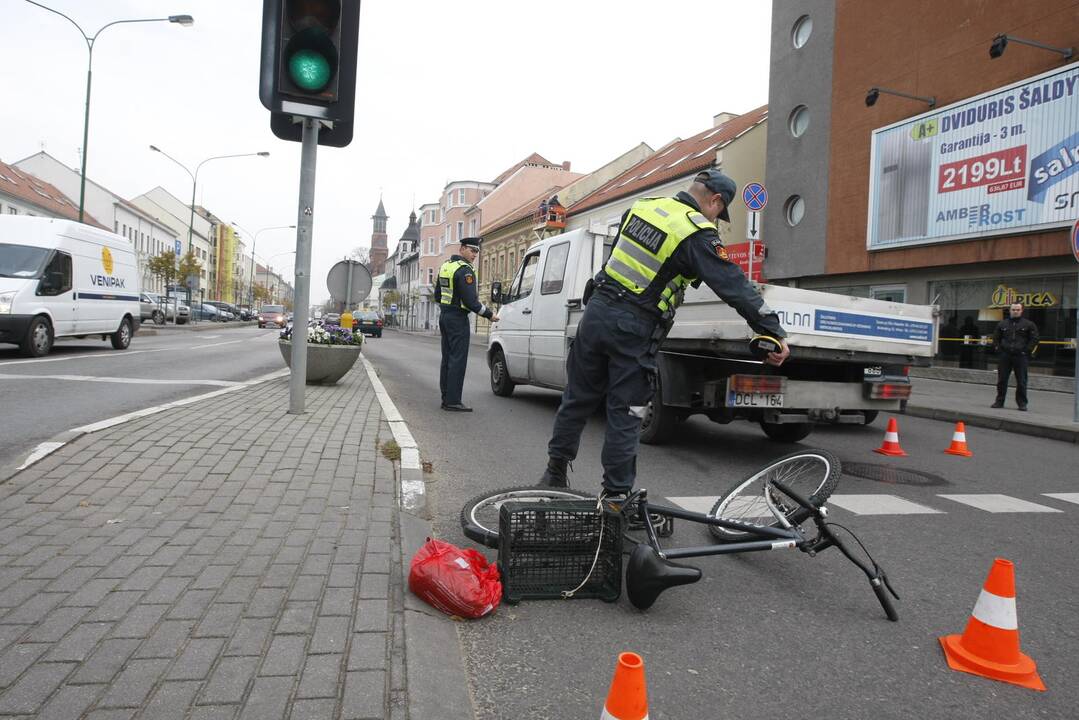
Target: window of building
891 293
798 122
430 276
555 269
472 227
12 210
117 228
803 28
460 230
795 209
461 197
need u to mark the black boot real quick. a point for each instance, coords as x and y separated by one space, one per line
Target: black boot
555 474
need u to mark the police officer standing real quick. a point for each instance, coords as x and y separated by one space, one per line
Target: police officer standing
663 245
1015 339
456 294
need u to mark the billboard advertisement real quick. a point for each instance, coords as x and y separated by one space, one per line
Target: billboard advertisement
1004 162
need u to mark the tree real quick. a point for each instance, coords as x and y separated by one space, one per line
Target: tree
189 265
163 266
260 292
390 297
362 255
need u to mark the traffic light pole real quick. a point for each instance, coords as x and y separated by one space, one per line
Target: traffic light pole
304 227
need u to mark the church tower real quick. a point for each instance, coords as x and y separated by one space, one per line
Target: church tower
378 240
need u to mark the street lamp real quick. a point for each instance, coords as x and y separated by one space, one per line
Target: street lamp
254 241
195 180
182 20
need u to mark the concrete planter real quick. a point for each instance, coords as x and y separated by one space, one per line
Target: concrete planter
326 364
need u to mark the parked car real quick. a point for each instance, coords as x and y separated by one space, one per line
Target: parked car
331 319
369 323
205 311
227 311
272 315
247 313
157 309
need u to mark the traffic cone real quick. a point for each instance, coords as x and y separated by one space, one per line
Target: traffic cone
990 645
959 441
627 699
890 446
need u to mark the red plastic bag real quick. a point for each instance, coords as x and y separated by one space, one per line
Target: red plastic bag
456 581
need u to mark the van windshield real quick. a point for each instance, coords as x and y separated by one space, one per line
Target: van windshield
22 261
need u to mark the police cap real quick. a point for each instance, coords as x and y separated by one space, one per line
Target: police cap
472 242
719 183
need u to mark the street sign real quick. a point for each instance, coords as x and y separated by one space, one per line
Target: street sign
337 281
393 307
739 255
755 196
753 225
1075 240
179 247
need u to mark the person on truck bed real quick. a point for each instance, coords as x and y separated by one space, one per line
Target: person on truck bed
663 245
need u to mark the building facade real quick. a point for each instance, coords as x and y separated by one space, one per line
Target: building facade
379 251
959 195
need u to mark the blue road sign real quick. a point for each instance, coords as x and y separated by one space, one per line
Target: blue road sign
177 247
755 196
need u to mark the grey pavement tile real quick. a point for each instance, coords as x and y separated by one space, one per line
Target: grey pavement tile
214 712
71 701
167 556
343 575
34 688
307 587
376 563
166 590
106 661
372 616
167 639
279 575
298 617
316 565
331 635
313 709
336 601
188 566
197 659
17 658
293 554
11 633
139 621
250 637
79 643
171 701
229 680
71 580
238 589
54 568
220 620
266 602
92 594
321 675
134 684
56 624
144 578
285 656
375 586
365 695
34 609
192 605
213 577
378 543
115 606
20 592
121 567
269 699
116 714
368 651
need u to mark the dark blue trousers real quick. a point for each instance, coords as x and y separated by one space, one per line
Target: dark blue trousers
610 358
1007 363
455 331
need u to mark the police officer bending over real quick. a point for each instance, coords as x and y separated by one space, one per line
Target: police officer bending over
663 245
456 295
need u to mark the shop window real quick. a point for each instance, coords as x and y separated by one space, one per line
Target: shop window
890 293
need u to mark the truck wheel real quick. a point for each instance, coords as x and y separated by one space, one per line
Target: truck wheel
38 340
122 337
870 416
501 384
659 421
787 432
158 317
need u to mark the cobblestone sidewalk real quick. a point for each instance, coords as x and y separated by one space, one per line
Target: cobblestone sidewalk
223 560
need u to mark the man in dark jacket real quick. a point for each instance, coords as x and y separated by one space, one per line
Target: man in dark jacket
1015 339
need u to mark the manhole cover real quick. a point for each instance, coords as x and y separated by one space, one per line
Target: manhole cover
892 475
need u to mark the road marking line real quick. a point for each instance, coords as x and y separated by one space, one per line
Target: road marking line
412 491
106 354
130 381
880 505
997 503
230 342
39 452
1066 497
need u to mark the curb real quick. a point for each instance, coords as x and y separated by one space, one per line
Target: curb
1019 427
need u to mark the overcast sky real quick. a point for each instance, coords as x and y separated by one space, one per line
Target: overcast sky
446 91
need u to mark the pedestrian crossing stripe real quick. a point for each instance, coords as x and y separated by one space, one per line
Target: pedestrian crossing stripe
885 504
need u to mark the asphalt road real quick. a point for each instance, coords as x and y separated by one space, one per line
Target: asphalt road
767 634
85 381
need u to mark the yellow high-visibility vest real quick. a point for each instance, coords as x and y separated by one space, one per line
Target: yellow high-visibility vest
445 282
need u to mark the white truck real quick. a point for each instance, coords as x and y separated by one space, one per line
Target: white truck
849 355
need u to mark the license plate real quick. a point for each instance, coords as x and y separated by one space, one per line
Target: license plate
754 400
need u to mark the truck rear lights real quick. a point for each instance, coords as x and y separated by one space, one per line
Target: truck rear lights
889 391
756 384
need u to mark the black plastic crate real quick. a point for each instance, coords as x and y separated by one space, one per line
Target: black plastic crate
546 548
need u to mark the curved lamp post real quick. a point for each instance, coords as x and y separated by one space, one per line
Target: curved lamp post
182 20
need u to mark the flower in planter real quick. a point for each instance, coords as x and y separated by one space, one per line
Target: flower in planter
327 335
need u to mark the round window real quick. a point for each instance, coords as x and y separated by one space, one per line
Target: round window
803 28
798 121
795 208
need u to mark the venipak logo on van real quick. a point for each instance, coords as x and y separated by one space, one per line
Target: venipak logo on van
108 279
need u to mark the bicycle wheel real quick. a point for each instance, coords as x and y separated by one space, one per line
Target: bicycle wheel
812 473
479 516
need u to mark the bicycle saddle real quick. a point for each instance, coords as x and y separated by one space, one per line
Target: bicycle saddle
647 575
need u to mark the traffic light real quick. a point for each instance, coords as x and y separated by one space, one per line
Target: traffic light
309 66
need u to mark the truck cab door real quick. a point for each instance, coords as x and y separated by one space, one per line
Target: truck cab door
550 312
56 294
515 318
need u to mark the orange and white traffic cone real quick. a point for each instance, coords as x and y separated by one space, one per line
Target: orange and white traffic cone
890 446
959 441
627 699
989 647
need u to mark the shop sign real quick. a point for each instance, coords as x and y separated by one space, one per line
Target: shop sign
1002 162
1004 296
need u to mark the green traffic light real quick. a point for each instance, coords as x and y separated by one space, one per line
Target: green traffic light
309 70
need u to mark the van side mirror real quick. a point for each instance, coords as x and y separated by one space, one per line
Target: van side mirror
496 292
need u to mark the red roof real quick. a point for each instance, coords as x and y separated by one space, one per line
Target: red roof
533 159
677 159
33 191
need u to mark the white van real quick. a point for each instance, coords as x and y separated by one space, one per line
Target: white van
60 278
